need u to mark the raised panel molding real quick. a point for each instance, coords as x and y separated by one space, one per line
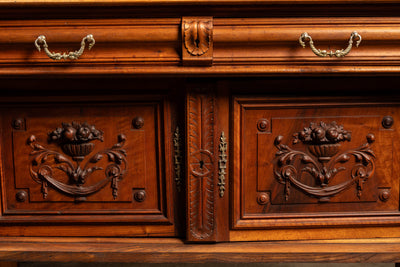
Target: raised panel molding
314 163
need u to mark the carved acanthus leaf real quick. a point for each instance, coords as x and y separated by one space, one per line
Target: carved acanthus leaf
197 36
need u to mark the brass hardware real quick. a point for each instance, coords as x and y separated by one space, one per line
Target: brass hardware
41 40
178 159
138 122
263 198
262 125
21 196
323 53
18 124
387 122
140 195
222 164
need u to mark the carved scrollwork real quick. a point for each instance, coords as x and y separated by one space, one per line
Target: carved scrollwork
197 36
322 163
75 140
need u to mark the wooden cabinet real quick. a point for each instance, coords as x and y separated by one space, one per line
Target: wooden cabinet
227 121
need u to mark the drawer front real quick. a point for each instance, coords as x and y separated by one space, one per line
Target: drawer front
87 163
154 46
331 161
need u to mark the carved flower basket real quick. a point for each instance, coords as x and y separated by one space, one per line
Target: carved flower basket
324 152
78 150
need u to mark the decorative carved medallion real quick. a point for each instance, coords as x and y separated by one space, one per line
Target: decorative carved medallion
201 164
178 159
75 140
323 143
222 164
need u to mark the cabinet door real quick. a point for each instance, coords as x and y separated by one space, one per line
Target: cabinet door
315 162
80 164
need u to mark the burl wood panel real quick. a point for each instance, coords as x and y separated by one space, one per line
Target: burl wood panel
95 162
333 161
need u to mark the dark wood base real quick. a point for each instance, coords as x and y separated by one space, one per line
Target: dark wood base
162 250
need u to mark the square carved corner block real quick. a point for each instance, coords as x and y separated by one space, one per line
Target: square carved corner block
322 163
86 164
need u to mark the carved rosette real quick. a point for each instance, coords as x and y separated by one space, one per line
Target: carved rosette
75 140
323 162
201 165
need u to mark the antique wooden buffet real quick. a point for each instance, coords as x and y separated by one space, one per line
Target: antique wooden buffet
200 130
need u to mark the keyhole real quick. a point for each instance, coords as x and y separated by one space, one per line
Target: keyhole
197 42
201 164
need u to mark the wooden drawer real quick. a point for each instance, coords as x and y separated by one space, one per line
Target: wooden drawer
315 162
96 163
144 46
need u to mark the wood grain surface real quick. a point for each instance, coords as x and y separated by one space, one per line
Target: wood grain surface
174 250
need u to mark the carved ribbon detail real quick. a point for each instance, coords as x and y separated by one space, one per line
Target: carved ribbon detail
322 141
75 141
197 36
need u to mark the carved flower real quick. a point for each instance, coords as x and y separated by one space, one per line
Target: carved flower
322 133
76 133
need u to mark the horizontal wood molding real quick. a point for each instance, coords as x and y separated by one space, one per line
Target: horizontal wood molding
174 250
154 46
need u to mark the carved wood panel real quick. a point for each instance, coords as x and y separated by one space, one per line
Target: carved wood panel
313 160
71 161
201 165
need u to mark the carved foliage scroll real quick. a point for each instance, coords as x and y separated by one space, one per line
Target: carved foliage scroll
201 165
197 38
76 140
323 162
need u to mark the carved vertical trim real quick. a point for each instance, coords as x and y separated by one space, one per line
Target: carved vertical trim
201 165
197 40
222 164
177 159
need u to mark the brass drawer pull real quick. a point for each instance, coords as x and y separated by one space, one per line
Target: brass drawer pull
41 40
323 53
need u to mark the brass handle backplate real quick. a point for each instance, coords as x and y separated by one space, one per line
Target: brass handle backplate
323 53
41 40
